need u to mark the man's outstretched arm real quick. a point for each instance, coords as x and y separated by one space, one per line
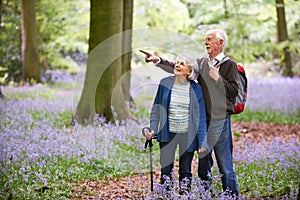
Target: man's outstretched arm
164 64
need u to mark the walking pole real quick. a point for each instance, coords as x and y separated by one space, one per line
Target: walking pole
149 142
151 171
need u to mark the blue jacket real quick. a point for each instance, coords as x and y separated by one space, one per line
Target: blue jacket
159 117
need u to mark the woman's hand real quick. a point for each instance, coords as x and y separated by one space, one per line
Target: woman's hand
149 134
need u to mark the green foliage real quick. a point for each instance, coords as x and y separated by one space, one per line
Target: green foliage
251 27
168 14
10 40
204 13
30 94
266 178
63 32
268 116
62 36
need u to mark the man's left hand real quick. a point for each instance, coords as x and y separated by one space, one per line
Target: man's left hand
202 149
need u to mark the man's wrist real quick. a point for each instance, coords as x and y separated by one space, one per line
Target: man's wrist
158 61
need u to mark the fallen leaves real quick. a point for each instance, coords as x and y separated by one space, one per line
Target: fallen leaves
133 187
259 132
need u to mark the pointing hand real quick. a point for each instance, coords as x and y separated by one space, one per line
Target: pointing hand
150 57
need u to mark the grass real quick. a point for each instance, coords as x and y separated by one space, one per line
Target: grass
60 120
268 116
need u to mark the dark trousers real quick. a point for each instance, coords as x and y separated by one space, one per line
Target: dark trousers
167 156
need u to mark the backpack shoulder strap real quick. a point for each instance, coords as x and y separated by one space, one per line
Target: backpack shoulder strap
223 60
202 62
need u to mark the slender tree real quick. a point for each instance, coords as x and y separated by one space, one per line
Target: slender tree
226 13
1 2
30 57
127 40
283 36
121 101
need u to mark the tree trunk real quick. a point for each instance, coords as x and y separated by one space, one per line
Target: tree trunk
283 36
226 13
30 57
1 94
127 47
1 3
104 61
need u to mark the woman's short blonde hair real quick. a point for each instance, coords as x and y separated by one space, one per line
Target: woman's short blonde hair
192 63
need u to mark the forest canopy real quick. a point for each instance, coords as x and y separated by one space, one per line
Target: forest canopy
63 26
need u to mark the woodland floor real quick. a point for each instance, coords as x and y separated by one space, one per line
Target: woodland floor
137 186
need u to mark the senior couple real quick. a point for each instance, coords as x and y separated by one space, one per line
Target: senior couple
196 115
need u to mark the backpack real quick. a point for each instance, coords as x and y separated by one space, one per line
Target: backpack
240 100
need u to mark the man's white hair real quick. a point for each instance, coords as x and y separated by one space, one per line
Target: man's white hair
220 35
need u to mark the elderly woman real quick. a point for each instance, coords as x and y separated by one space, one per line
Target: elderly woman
178 117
